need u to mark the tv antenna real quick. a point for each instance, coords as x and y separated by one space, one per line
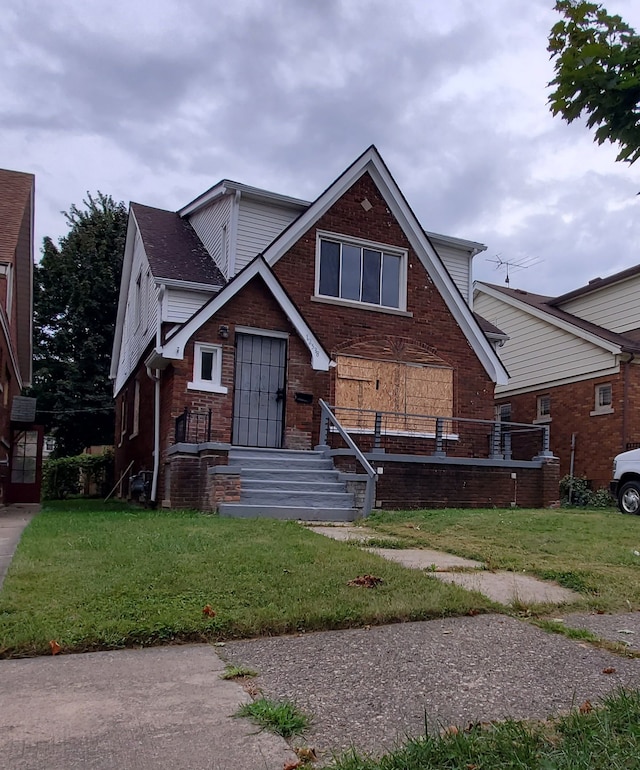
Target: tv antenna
513 264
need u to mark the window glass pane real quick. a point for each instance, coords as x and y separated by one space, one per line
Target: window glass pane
371 261
604 395
391 280
329 268
350 280
207 365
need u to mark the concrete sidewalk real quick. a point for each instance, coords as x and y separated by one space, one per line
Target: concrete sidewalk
164 707
508 588
13 520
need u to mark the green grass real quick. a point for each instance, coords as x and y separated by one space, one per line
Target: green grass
281 717
604 738
589 551
93 576
238 672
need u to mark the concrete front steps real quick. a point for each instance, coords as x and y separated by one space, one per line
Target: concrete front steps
288 484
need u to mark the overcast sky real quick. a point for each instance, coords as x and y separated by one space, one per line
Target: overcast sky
155 101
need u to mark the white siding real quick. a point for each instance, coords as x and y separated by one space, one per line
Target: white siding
537 352
180 304
615 307
458 264
141 314
258 224
212 227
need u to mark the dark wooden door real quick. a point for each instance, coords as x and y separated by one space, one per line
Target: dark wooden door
258 407
25 465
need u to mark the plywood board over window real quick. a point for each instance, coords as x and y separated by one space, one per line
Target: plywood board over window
401 388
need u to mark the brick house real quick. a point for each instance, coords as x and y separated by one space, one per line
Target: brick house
20 438
573 365
246 313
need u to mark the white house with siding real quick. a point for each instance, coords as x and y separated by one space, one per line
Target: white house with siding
573 362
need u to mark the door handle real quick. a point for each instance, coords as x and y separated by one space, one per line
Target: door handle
279 394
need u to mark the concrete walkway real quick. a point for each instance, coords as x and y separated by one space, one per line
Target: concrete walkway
13 520
508 588
164 707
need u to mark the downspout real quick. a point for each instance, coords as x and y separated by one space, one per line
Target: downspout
154 375
625 398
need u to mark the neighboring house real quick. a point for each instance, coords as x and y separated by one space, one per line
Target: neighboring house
573 364
20 439
244 310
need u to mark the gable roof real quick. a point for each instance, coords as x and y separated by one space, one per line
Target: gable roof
371 162
175 344
173 249
16 247
545 308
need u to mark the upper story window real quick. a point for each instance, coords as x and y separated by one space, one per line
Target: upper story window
207 368
603 400
357 271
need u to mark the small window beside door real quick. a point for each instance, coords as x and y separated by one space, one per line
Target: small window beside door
207 368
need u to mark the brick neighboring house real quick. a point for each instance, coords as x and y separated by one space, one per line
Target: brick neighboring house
20 439
573 362
245 310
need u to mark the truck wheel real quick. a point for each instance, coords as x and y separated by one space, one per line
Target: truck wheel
629 497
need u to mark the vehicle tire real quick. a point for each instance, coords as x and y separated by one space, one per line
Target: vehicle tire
629 497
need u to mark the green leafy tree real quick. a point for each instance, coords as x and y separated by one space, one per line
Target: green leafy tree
597 68
75 303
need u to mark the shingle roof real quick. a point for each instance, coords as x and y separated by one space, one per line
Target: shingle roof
173 249
15 191
629 342
488 328
597 283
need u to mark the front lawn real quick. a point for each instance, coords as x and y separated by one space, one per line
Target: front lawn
91 576
596 553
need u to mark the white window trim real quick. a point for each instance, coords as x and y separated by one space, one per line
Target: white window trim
597 409
213 385
374 245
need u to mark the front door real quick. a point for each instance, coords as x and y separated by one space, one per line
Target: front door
258 406
25 465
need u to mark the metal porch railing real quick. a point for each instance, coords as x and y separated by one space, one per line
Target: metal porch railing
328 418
192 427
440 436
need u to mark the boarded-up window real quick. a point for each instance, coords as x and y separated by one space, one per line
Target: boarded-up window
404 389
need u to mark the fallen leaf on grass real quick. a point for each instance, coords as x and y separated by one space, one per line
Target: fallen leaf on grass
586 708
209 611
306 754
451 730
609 670
55 647
366 581
291 765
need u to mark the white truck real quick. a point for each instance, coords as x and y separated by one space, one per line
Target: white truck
625 486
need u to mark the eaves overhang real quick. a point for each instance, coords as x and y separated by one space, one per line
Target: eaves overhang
173 348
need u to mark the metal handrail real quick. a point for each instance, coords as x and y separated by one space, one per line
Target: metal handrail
329 416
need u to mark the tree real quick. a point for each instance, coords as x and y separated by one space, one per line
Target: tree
75 304
597 68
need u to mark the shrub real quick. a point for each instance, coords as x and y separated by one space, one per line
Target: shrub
575 490
67 476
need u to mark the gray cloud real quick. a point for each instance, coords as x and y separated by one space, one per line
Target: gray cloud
157 101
